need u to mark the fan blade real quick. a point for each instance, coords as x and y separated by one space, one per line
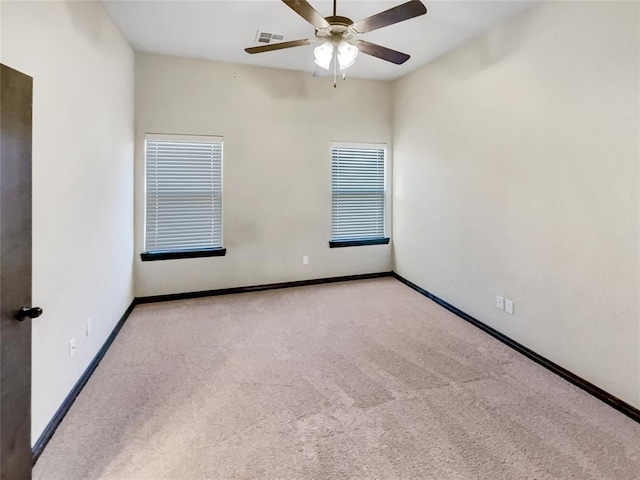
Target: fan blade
384 53
306 11
408 10
278 46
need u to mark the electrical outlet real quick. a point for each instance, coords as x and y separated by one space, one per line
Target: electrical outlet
88 329
499 302
305 260
72 347
508 306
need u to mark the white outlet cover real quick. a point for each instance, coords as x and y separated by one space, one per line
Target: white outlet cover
89 326
508 306
305 259
499 302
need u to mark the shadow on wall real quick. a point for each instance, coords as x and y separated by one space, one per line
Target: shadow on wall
285 84
85 21
491 48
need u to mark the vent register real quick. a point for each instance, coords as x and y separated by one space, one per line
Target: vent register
266 37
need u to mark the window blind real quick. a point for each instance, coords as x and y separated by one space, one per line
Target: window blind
183 193
358 192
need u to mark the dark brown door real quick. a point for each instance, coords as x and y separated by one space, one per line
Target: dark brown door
15 274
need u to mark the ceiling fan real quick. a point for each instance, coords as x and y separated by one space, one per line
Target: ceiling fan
338 36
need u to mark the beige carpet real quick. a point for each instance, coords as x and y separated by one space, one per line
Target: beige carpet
362 379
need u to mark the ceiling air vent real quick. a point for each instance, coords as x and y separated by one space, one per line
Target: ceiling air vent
266 37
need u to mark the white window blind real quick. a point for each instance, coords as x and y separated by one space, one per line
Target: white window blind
358 187
183 193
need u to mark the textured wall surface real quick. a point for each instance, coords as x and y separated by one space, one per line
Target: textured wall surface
278 126
516 163
82 183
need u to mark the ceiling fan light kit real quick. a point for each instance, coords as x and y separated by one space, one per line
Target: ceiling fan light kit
337 35
345 52
323 55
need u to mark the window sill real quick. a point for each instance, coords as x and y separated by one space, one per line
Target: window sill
177 254
358 243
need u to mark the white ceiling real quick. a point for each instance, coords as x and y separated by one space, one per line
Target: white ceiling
220 30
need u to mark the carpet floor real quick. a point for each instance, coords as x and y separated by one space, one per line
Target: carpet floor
359 380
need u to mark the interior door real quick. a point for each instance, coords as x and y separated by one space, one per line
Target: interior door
15 274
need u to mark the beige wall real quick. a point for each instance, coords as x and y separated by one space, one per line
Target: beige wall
516 168
82 183
278 126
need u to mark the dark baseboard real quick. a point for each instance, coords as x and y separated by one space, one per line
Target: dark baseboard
50 429
257 288
597 392
620 405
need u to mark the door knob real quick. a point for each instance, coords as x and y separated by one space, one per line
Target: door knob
28 312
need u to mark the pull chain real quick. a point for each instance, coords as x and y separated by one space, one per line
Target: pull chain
335 68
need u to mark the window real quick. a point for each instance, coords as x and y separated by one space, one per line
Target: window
358 195
183 176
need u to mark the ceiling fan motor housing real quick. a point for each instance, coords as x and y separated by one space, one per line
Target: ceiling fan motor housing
338 20
338 29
